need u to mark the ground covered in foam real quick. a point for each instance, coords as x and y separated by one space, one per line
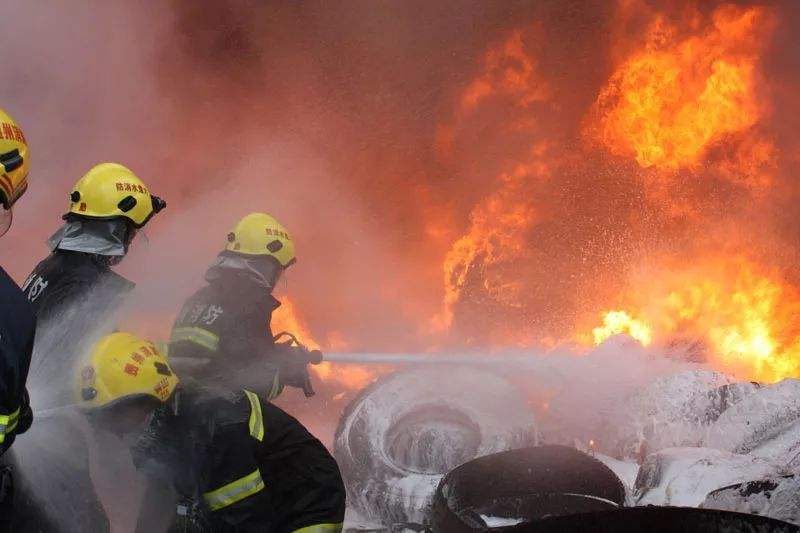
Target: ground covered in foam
675 433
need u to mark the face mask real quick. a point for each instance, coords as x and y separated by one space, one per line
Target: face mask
100 237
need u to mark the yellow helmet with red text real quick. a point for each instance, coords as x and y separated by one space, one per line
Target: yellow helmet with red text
259 234
123 366
13 161
111 190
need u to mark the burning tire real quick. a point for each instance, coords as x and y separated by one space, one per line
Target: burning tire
523 485
398 438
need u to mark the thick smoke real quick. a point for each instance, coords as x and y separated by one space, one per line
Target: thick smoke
348 123
314 113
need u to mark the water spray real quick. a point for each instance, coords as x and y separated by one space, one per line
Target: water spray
400 358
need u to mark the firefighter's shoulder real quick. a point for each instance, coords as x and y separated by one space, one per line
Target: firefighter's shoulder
65 269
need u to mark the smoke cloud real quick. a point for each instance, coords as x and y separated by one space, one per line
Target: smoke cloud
353 124
451 171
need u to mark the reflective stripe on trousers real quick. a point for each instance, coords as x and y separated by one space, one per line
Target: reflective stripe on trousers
8 423
234 491
199 336
320 528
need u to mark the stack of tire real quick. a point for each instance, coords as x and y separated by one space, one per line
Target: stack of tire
456 450
553 489
398 438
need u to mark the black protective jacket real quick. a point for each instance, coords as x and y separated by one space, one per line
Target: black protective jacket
17 327
72 294
237 463
67 279
223 330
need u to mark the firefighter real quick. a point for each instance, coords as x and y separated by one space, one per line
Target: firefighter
108 205
221 463
74 288
223 333
17 321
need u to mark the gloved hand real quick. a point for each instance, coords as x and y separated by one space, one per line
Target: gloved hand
294 372
314 357
293 364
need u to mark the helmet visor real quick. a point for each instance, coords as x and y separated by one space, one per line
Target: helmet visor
6 217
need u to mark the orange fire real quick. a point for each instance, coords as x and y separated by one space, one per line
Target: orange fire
507 69
498 228
744 315
668 103
687 102
619 322
496 235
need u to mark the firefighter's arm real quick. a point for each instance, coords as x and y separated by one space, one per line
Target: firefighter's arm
203 338
293 358
231 483
195 344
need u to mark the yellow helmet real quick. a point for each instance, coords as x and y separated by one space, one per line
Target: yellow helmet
260 234
13 161
110 190
122 366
